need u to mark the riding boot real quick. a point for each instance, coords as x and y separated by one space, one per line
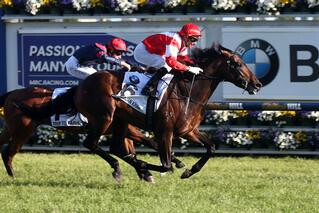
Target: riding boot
151 86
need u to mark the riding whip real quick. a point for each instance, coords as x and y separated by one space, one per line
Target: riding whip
189 95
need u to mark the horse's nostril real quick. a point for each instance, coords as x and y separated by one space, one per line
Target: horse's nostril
259 85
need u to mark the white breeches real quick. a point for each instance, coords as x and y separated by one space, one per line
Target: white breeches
73 68
142 56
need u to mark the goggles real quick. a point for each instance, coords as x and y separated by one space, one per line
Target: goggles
117 52
193 39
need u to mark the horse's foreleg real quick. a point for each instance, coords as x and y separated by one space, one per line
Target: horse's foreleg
164 139
198 137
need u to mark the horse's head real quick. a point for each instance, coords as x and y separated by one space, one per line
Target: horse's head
228 66
238 72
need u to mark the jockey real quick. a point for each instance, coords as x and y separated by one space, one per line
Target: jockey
166 51
79 64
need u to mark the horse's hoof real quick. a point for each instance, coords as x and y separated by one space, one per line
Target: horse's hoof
117 176
186 174
179 165
149 179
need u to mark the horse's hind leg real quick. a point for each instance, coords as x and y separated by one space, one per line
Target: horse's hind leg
8 151
91 142
124 148
138 136
4 147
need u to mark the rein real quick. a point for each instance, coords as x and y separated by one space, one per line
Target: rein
189 98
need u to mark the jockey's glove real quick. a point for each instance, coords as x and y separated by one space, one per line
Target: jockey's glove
195 70
126 65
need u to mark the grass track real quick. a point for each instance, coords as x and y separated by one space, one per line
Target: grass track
83 183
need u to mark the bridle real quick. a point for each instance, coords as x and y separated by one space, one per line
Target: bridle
234 66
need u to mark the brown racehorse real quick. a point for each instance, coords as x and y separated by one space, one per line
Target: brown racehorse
94 99
18 129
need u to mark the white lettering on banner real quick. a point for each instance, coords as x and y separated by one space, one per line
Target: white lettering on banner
107 66
58 50
240 50
45 66
54 82
294 106
130 50
236 106
270 50
254 44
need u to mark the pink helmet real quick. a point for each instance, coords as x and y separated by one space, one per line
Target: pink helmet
117 44
190 30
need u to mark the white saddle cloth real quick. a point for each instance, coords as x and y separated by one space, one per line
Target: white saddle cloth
63 119
132 85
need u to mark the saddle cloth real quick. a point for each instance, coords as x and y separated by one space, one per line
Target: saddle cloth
64 119
132 85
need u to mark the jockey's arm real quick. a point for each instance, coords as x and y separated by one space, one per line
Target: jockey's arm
112 60
175 64
171 58
185 60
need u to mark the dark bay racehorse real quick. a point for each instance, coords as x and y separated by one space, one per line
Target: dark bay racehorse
94 99
18 129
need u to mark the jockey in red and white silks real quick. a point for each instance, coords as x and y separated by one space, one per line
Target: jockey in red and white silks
79 65
169 49
166 51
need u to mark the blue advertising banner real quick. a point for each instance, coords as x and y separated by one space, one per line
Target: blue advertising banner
3 67
41 56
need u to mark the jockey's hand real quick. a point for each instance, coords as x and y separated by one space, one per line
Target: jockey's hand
195 70
126 65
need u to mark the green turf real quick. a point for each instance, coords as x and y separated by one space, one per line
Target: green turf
83 183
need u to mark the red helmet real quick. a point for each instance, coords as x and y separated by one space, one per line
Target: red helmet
190 30
117 44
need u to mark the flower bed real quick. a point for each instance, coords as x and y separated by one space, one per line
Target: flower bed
268 7
265 131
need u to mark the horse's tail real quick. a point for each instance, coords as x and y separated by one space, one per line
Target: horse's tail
62 104
3 98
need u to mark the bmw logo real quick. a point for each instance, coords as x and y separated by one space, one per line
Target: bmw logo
261 57
134 79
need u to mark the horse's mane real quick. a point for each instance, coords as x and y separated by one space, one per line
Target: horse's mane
203 57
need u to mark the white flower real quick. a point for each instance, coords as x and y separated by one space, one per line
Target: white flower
239 138
127 6
225 4
269 7
49 135
286 141
268 115
81 4
312 3
172 3
313 115
33 6
218 116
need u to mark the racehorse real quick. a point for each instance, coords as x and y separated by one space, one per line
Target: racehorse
18 129
176 116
